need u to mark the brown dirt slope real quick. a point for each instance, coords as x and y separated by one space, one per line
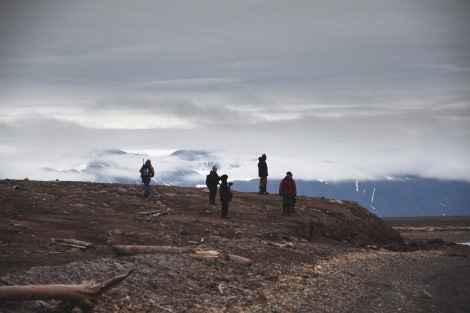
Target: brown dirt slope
35 213
36 217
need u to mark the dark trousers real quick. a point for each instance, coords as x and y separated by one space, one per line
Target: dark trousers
146 181
263 183
287 204
212 194
224 208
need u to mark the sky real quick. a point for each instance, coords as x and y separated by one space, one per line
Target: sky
329 90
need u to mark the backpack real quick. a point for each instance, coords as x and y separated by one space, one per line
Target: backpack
145 172
286 186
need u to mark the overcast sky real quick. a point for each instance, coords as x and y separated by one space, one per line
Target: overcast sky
327 89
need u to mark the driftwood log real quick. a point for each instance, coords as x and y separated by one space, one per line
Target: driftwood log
127 250
73 243
148 215
206 255
84 295
238 259
282 245
210 256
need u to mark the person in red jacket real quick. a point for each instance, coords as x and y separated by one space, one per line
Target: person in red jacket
288 191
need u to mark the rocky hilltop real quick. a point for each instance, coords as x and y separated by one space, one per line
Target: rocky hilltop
331 256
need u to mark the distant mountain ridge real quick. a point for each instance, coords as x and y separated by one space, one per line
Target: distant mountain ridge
401 196
407 196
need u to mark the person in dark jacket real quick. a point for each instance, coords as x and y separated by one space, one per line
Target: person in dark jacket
225 194
146 173
288 191
262 174
212 181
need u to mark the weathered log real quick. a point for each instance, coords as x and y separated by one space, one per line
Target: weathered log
211 255
238 259
282 245
73 246
152 212
127 250
148 215
85 295
208 255
74 242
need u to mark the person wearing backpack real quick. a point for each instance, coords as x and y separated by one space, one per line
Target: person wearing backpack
212 181
225 195
288 191
146 173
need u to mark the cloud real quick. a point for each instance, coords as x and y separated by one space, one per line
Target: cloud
332 148
189 83
330 90
84 57
445 67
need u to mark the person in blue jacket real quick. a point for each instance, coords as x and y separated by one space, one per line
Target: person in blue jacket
146 173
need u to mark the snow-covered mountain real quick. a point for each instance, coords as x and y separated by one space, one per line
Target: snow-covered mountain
401 196
180 168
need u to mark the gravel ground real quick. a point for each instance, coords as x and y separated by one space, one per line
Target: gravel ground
397 282
349 280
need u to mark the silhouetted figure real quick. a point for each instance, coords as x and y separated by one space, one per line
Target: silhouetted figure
262 174
212 181
225 195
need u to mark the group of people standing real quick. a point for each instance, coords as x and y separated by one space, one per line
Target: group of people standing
287 187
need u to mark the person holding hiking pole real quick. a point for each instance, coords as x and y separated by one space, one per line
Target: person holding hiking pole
146 173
